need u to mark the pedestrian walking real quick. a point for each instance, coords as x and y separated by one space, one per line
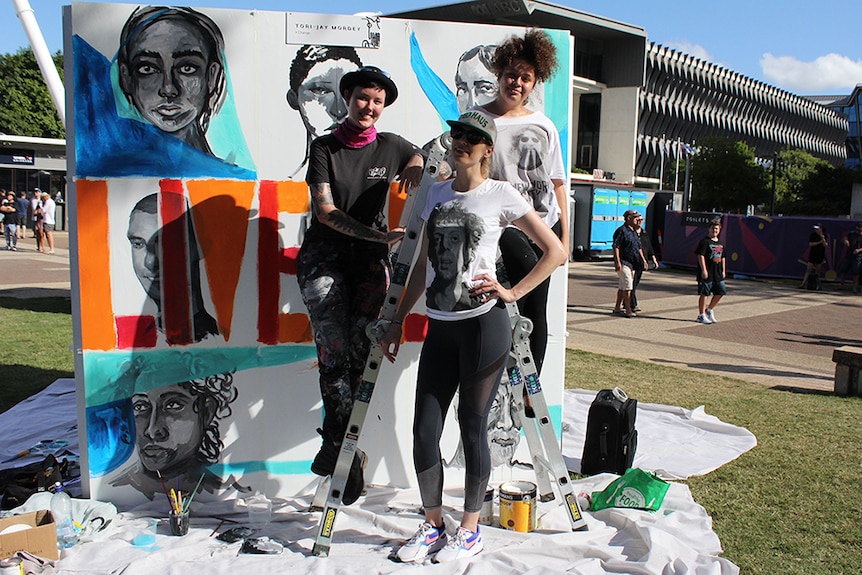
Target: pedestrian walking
711 269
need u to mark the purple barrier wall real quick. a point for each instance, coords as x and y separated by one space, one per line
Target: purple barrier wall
756 245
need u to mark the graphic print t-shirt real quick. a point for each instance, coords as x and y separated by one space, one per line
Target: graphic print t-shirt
463 229
527 154
358 177
713 251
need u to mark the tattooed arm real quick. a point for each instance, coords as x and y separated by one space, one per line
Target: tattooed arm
326 213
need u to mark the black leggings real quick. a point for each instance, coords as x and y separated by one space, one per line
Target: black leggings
520 255
467 355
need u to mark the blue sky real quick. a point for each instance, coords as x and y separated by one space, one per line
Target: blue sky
804 47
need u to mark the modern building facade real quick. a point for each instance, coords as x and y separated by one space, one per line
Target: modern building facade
633 100
849 107
29 163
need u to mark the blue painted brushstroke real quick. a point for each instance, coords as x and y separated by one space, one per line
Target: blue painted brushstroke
112 141
436 90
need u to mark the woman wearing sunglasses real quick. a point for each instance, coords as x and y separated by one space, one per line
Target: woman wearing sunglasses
469 334
528 156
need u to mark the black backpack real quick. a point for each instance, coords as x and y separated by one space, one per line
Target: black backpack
18 484
611 435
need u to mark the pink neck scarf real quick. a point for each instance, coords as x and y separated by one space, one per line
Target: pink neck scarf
354 137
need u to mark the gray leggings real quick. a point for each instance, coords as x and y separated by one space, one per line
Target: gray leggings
469 355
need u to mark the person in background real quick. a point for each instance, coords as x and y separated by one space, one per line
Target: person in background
852 257
48 222
9 209
343 264
711 271
469 338
649 256
818 241
38 219
23 207
528 156
628 257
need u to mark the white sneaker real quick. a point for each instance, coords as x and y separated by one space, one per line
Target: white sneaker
464 543
711 316
428 539
702 318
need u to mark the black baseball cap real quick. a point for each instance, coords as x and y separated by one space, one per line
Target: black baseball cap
370 74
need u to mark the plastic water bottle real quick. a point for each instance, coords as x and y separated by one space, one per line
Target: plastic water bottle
61 510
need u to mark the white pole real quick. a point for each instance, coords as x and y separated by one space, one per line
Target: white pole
661 169
43 56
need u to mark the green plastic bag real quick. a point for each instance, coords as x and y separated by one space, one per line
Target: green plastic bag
636 489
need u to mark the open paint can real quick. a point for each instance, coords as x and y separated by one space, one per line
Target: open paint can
486 515
518 506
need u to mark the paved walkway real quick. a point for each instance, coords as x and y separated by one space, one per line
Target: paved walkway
769 332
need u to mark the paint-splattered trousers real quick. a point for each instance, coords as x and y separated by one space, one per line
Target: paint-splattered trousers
343 284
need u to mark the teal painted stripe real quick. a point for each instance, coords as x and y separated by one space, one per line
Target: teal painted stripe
115 375
296 467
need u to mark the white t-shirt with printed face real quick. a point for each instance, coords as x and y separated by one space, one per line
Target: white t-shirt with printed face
527 154
463 229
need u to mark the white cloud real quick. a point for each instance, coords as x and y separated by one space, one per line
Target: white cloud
832 73
695 50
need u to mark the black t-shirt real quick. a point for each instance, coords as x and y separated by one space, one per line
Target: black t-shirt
10 218
817 252
358 177
713 251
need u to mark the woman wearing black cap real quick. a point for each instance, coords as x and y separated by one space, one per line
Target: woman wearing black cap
343 262
469 333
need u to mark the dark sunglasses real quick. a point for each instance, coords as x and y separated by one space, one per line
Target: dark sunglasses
472 137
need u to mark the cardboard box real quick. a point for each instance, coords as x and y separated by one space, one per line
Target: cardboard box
40 539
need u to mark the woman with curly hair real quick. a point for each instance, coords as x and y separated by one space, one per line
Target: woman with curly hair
528 156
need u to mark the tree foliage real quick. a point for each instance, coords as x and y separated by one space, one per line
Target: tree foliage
806 185
725 177
26 108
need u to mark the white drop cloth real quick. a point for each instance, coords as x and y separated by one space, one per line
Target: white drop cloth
678 539
673 443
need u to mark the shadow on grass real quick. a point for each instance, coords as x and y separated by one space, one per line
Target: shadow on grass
51 304
22 381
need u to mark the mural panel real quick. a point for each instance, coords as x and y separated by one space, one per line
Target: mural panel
190 137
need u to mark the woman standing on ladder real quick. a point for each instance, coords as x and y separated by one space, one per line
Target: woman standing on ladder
469 333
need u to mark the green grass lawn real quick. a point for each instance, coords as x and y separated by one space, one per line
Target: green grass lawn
792 505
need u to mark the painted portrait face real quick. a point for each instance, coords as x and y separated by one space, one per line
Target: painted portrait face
168 430
170 74
365 106
504 429
321 106
448 251
143 236
475 84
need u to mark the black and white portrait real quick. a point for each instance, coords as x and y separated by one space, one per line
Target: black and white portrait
171 70
177 434
315 75
144 234
453 235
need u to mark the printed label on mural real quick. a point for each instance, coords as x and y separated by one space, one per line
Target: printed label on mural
332 30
